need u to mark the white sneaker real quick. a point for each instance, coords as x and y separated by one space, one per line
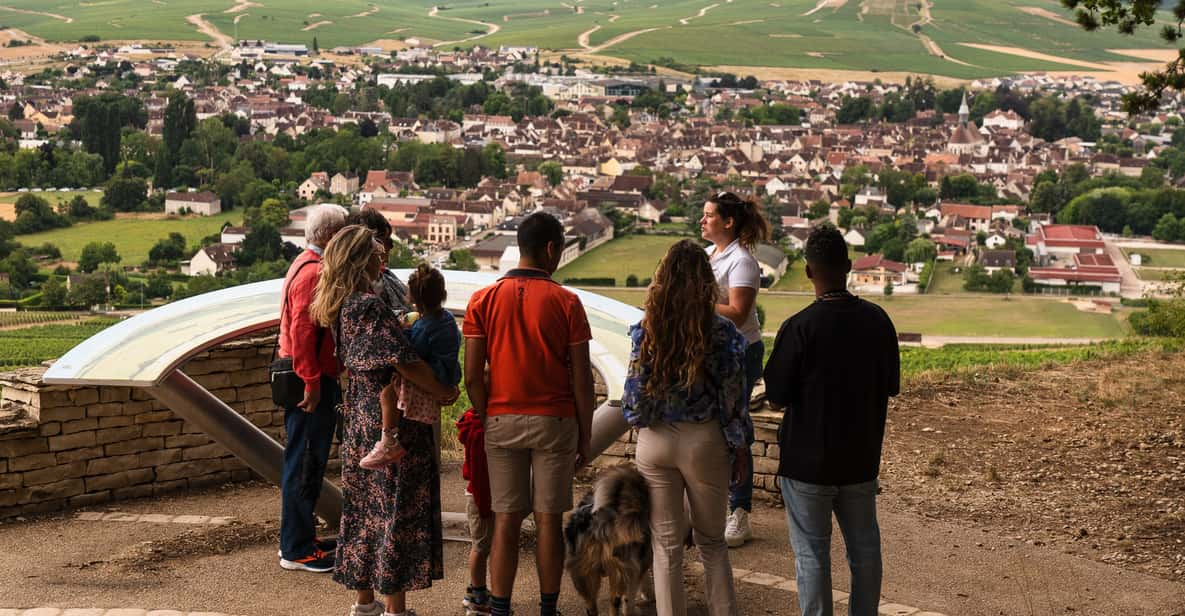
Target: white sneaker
738 531
374 608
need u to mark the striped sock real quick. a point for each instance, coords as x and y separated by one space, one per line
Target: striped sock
499 606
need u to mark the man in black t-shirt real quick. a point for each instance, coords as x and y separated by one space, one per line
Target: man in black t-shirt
833 367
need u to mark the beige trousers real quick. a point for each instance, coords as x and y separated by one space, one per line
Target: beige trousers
688 462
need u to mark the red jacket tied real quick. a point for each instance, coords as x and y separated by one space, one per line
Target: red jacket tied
472 434
298 333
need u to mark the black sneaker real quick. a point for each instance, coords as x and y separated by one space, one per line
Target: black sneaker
317 562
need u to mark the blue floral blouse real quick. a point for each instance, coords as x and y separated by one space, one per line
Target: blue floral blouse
719 395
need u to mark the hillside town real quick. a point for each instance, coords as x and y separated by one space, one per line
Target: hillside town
621 153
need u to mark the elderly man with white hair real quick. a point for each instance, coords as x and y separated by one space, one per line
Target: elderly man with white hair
310 424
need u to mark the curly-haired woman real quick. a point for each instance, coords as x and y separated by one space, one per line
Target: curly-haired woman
685 391
390 539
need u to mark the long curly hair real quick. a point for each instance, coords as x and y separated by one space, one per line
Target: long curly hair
680 317
343 272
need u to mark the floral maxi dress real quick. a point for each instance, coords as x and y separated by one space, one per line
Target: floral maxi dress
390 538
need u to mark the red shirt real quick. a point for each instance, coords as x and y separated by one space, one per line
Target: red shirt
530 324
298 332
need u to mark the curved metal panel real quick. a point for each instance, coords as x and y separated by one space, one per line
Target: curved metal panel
143 350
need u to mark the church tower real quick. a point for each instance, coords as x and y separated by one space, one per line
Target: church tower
964 111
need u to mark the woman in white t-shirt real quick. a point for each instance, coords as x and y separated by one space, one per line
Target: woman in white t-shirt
734 226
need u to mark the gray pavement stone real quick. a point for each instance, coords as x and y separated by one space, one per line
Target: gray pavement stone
83 611
119 516
123 611
165 613
42 611
89 516
156 518
9 612
896 609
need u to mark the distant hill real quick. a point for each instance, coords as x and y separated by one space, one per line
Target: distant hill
962 39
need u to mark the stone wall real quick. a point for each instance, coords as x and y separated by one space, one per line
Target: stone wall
766 449
81 446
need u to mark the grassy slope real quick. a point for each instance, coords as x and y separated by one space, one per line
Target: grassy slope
845 39
132 238
632 254
953 315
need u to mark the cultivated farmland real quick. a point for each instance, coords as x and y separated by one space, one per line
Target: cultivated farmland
917 36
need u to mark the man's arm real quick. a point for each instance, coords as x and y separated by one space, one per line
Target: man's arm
586 399
475 374
306 360
781 371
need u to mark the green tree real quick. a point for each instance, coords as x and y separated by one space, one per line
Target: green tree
88 291
401 256
819 209
920 250
553 171
53 293
124 194
20 268
262 243
462 260
168 250
888 288
272 213
1167 229
95 253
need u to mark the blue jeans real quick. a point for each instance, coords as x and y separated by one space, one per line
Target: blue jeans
808 509
306 453
740 494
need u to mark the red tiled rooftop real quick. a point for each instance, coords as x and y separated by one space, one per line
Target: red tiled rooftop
1071 232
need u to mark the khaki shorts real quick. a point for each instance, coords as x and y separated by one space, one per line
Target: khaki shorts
532 460
481 530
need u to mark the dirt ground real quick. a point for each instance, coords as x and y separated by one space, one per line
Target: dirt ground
1088 459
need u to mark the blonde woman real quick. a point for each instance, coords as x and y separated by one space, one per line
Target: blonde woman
685 391
390 539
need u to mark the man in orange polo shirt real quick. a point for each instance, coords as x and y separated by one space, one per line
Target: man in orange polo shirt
537 401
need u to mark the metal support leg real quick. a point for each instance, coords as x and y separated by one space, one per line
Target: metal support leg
228 428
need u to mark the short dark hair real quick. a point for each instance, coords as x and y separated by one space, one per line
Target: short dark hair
374 220
826 248
537 231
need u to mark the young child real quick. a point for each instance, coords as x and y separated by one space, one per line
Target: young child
471 433
434 333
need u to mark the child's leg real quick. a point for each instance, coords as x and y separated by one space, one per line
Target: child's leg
391 412
387 451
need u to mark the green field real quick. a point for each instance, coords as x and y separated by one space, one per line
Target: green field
1147 273
872 35
632 254
794 279
55 197
1158 257
133 237
952 315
